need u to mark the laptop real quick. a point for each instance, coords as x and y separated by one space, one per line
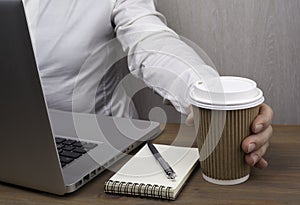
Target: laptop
49 150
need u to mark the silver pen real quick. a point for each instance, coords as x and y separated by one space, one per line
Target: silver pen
166 167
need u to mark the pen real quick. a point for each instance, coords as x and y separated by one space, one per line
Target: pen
166 167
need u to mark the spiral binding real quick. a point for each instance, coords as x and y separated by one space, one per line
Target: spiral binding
138 189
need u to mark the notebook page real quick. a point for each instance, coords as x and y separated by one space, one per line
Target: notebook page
144 168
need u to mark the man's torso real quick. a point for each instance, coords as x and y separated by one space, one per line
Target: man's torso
69 39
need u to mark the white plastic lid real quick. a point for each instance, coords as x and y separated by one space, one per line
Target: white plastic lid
226 93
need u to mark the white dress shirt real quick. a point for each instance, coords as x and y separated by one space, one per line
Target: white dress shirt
75 44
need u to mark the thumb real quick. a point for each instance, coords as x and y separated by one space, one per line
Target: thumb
190 118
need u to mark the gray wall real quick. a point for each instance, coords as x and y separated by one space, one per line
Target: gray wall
258 39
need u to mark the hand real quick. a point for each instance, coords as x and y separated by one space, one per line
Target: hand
256 145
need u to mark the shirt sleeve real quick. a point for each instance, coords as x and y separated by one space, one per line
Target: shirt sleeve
156 54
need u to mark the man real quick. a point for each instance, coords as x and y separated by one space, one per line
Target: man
74 46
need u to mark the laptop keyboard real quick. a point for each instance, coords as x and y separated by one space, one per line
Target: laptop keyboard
69 149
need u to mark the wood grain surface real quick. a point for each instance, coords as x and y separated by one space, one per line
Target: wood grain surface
278 184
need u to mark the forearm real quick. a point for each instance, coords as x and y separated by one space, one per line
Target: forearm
156 53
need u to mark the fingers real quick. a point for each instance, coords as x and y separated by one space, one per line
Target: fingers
256 146
255 158
256 141
263 120
262 163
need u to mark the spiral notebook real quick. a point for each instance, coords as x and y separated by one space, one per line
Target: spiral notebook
143 176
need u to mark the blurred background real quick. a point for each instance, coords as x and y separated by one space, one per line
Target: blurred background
256 39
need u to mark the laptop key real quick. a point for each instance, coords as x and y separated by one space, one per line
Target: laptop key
80 150
68 148
59 146
59 140
69 142
89 146
73 155
65 160
78 144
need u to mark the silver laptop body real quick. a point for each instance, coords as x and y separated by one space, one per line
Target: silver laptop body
28 153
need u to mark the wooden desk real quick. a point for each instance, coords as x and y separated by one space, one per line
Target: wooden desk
278 184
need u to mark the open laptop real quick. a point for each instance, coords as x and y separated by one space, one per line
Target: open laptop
50 150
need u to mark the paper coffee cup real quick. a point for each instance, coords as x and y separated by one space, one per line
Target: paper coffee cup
224 108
